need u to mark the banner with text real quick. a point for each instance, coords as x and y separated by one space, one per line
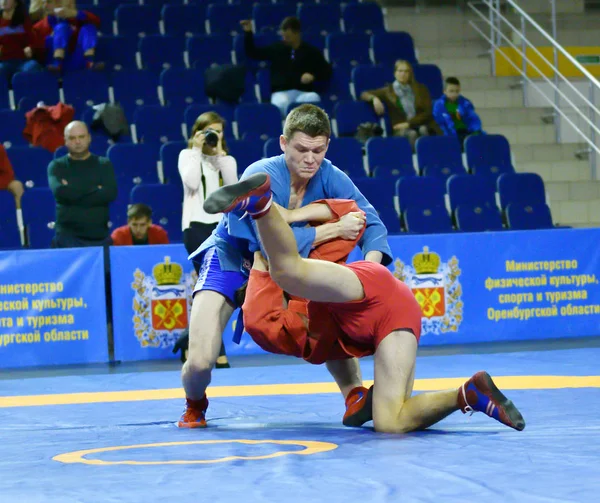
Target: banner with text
151 296
501 286
52 307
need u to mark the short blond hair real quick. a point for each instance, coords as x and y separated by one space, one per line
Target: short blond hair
308 119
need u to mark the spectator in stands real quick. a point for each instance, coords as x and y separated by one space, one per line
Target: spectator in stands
7 178
455 114
68 36
16 40
203 166
408 104
139 229
295 65
83 185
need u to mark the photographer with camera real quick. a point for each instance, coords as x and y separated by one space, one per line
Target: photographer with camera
204 166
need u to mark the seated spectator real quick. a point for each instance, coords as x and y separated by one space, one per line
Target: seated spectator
67 36
7 178
295 65
83 185
139 229
455 114
407 102
16 40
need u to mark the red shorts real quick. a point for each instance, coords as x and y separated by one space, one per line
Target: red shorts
361 325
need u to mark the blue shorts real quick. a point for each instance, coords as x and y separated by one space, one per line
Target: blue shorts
211 277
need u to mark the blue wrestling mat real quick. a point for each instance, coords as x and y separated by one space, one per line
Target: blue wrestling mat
112 438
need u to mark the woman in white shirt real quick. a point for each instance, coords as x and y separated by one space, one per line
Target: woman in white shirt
202 166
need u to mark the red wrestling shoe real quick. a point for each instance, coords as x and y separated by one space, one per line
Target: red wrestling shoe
252 195
194 414
359 407
480 394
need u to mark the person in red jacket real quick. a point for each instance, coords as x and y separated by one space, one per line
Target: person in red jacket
139 229
67 36
7 178
16 40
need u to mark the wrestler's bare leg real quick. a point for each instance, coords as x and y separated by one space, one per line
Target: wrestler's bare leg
394 410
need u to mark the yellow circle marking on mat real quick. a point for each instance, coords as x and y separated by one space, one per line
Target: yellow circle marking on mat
311 447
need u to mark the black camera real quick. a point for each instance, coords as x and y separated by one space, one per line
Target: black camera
211 138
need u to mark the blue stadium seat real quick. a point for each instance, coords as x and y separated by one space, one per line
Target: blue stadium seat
369 77
488 155
431 77
30 165
523 188
161 51
338 86
380 194
12 124
134 163
272 148
349 114
117 52
226 18
245 152
432 220
137 19
166 203
523 216
156 124
10 237
182 87
4 102
389 47
420 192
104 12
439 156
470 190
207 50
315 39
40 86
346 154
39 208
390 157
135 88
84 89
192 112
362 17
269 16
169 157
258 120
352 47
184 19
320 18
471 218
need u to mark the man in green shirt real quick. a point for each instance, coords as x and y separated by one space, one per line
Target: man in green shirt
83 185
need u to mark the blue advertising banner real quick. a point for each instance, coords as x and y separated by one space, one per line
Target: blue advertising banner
501 286
52 307
484 287
151 294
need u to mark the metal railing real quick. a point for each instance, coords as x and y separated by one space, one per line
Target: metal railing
498 24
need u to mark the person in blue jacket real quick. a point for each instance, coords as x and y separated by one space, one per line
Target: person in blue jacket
455 114
300 176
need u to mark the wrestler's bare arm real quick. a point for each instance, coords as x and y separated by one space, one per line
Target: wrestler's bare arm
315 212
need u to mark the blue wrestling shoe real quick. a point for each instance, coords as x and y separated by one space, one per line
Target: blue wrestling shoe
359 407
252 195
480 394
